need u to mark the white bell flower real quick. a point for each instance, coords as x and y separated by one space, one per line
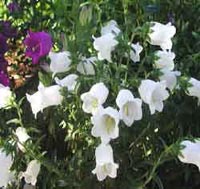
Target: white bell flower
5 96
165 60
94 99
22 137
28 186
69 81
153 93
136 49
161 35
194 90
110 27
6 176
31 173
105 123
171 78
60 62
105 45
130 107
45 97
105 165
86 66
191 152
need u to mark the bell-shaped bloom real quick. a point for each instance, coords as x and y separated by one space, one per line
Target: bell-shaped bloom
31 173
5 96
45 97
190 153
153 93
136 49
110 27
161 35
69 81
86 66
105 45
6 175
4 79
60 62
171 78
130 108
38 45
194 90
22 137
105 123
165 60
105 165
94 99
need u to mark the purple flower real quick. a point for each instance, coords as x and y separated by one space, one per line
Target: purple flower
7 30
38 45
3 64
3 44
4 79
13 7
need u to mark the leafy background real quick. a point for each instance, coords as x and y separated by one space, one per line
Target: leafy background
147 151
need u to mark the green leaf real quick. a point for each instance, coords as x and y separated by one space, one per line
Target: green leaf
15 121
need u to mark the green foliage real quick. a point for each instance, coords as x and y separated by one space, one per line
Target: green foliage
61 137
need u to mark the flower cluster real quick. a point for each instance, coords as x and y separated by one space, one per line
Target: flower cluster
105 119
105 123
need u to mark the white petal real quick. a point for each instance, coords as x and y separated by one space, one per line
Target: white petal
101 175
5 163
105 45
104 154
194 90
94 99
110 27
171 78
191 152
105 165
131 111
60 62
161 35
5 96
146 89
113 170
106 124
36 102
90 103
69 81
165 60
86 66
22 134
100 91
135 52
52 96
153 93
160 93
45 97
130 107
31 173
123 96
